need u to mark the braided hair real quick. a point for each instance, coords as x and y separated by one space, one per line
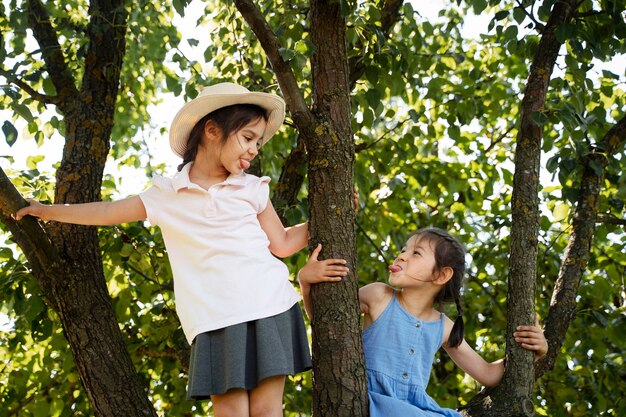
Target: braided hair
448 253
229 119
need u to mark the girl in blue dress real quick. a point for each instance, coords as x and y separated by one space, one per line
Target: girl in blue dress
403 330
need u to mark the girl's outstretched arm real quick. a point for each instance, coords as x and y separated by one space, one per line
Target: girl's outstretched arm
490 374
100 213
284 241
328 270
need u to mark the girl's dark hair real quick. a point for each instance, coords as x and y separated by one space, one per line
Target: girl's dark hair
229 119
448 253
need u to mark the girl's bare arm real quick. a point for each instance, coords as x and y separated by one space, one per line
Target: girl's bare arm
284 241
99 213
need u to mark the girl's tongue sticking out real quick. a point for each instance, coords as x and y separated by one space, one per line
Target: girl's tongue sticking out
244 163
394 268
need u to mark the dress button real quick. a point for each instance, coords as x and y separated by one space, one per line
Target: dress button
411 351
418 324
405 376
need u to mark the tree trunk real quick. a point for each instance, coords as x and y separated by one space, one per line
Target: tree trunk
338 362
563 303
66 258
512 396
340 385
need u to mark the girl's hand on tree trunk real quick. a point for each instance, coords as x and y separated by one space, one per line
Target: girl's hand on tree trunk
532 338
328 270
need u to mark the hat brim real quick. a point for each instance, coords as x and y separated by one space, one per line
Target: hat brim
196 109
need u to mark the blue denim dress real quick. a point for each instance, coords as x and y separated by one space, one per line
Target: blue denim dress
399 351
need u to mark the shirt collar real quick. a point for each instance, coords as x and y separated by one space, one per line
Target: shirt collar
181 179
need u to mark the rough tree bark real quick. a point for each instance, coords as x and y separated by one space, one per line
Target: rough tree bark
512 396
340 386
336 322
563 303
65 259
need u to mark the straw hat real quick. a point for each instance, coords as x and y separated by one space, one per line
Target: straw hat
221 95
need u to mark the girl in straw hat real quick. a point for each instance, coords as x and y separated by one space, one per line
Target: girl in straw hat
237 307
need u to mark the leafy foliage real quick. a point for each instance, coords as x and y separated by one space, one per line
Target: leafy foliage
435 117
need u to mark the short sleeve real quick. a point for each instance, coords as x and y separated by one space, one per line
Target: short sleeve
151 198
263 194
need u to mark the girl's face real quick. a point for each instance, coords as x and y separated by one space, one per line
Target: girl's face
242 146
415 263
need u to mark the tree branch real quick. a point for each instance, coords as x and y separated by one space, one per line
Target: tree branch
284 74
499 138
39 22
366 145
14 79
516 386
610 219
290 181
563 305
389 16
29 234
531 16
180 355
103 65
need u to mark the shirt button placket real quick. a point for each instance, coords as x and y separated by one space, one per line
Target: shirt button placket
411 351
210 203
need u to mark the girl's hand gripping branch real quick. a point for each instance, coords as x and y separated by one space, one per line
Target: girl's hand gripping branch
35 208
328 270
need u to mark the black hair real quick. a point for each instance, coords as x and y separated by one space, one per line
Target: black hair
229 119
448 252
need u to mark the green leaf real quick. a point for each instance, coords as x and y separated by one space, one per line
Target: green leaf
502 14
23 111
519 15
510 34
479 6
286 54
609 74
560 212
553 163
10 132
179 6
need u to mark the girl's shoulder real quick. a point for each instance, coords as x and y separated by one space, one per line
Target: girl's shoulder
253 179
162 181
249 181
376 291
373 299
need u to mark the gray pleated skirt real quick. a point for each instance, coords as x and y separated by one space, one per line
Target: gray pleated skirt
242 355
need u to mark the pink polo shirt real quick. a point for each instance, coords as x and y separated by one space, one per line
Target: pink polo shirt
224 272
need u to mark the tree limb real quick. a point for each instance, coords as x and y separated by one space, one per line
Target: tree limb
389 16
14 79
180 355
367 145
610 219
107 26
29 234
563 305
516 386
271 45
39 22
290 181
